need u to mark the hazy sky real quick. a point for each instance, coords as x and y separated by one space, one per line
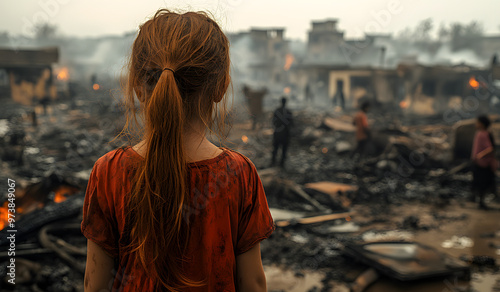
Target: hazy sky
97 17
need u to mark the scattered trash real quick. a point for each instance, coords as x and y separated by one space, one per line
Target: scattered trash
347 227
371 236
459 242
407 261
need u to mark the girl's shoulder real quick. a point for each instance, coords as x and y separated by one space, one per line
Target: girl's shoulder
229 163
239 159
119 158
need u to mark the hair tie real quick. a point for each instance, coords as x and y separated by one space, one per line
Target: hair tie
169 69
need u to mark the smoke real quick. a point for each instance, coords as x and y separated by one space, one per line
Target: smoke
104 56
446 56
242 58
298 48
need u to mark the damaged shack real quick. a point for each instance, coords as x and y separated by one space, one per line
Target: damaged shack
26 75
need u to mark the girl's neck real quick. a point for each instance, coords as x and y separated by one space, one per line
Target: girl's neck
196 146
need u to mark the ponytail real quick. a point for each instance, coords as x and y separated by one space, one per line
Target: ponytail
157 204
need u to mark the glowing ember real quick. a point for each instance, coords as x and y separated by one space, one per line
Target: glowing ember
348 218
473 82
244 139
324 150
63 74
62 193
96 86
404 104
288 61
287 90
4 216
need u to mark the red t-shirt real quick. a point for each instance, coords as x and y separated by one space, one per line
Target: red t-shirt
228 215
482 142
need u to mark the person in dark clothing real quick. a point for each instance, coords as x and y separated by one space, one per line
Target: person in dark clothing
282 122
308 93
45 102
484 162
33 118
339 95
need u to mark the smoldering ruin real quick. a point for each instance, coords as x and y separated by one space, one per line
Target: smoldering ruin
400 219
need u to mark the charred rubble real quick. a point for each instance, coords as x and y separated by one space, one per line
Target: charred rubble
322 201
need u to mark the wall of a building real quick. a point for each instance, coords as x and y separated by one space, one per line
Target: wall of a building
30 88
350 94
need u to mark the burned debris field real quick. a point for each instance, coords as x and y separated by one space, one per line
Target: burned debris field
375 192
387 199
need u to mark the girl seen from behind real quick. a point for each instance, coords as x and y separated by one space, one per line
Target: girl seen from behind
175 212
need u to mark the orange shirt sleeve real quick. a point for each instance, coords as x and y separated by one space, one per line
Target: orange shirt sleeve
98 223
255 220
364 121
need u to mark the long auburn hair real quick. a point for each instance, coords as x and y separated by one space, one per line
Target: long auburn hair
196 52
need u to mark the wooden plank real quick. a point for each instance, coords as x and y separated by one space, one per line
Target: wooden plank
299 191
316 219
331 188
339 125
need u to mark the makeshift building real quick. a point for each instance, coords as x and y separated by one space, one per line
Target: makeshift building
26 75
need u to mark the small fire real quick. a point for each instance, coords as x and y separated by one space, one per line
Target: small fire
287 90
244 139
473 82
96 86
348 218
289 59
324 150
62 193
63 74
404 104
4 216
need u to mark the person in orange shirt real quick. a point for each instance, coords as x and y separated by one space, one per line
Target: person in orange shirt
484 162
362 130
175 212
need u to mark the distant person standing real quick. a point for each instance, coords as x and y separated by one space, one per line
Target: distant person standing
484 162
308 93
339 98
45 103
362 130
282 122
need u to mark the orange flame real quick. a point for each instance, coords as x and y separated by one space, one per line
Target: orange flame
324 150
62 193
244 139
96 86
4 216
63 74
287 90
289 59
404 104
473 82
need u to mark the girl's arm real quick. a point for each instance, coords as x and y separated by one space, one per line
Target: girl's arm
99 269
250 272
484 152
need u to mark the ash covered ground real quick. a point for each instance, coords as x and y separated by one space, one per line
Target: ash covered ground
406 190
